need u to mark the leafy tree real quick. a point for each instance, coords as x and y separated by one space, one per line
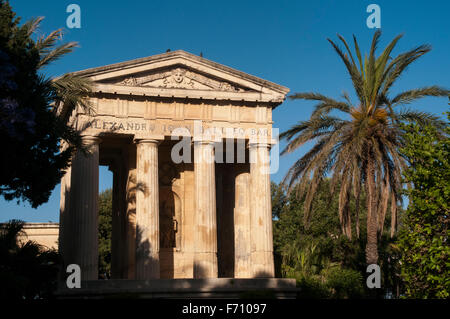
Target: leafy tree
320 257
323 228
424 240
104 233
31 129
278 199
27 270
357 144
315 253
345 283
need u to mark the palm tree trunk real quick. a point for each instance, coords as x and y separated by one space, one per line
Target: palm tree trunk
372 225
358 196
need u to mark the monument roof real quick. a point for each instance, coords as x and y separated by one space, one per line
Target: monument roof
180 74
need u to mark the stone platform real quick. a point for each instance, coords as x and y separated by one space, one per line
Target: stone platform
183 288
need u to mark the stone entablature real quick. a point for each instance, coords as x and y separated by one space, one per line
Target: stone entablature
154 95
180 74
141 127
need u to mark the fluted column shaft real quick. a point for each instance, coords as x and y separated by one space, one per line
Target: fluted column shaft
115 239
147 210
261 211
205 260
64 210
118 238
242 227
80 223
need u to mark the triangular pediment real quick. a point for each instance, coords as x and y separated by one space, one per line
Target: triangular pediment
185 75
176 77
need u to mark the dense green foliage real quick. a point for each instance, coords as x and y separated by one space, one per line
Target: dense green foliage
104 233
30 128
424 240
326 263
27 270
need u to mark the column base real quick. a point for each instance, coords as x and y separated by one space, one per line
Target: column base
263 264
205 265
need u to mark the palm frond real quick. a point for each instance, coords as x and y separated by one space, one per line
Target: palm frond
399 64
411 95
56 53
348 49
73 90
381 63
312 96
32 25
370 79
355 75
44 44
358 55
346 97
324 108
299 166
308 130
422 118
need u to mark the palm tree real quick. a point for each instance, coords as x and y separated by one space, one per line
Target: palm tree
358 144
31 124
68 89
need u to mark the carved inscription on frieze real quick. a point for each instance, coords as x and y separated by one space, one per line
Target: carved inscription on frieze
155 127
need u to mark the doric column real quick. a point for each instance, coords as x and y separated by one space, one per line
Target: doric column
147 210
80 223
118 237
64 210
115 239
205 259
242 227
261 211
130 218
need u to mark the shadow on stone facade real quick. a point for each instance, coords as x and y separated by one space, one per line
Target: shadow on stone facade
144 251
225 206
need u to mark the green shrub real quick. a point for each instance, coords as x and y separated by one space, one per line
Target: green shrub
312 287
344 283
425 251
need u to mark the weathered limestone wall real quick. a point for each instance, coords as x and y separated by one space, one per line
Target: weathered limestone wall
225 194
45 234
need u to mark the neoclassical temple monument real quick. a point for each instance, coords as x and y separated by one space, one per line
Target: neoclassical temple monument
205 216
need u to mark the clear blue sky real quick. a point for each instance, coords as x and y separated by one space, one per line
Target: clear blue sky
281 41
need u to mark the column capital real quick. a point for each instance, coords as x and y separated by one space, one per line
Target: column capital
91 139
203 142
147 140
257 144
202 139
